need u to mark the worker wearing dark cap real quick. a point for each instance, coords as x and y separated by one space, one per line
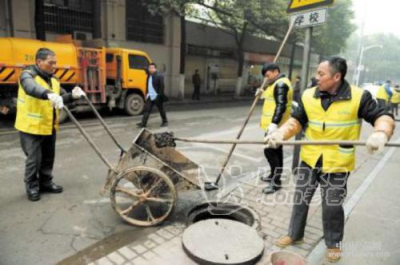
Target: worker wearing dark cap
276 110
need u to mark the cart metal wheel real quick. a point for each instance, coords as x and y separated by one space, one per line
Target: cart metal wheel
143 196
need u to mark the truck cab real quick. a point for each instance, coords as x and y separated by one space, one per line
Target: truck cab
127 76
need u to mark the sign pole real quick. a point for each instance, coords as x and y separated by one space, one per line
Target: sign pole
304 81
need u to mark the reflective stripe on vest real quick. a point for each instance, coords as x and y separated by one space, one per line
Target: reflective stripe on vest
270 105
35 116
339 122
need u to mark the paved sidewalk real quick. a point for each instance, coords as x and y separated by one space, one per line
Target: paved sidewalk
164 245
210 98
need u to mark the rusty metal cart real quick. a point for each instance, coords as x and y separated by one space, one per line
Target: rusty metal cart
143 186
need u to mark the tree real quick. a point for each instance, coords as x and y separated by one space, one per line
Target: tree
330 38
240 18
380 63
180 8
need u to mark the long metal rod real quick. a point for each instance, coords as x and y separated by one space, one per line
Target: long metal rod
89 140
104 124
300 142
253 106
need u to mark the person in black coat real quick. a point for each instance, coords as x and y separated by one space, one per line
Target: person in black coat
154 96
196 80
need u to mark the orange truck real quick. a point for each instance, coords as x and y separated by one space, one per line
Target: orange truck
111 77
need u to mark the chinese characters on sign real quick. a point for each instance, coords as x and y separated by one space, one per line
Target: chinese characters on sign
308 19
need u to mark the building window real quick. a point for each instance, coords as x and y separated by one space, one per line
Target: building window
138 62
141 25
68 16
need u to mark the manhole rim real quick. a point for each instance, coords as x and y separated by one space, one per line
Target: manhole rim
254 214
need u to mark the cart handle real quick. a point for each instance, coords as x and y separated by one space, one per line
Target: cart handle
89 139
104 124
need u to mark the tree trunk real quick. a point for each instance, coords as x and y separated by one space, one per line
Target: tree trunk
240 51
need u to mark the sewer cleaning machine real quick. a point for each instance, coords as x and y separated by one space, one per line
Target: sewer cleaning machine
111 77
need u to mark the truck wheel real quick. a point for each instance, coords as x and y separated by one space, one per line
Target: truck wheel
62 117
134 104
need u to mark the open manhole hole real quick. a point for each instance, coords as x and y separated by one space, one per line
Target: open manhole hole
230 211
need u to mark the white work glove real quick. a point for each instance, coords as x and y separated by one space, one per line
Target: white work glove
376 142
259 92
272 128
271 140
77 93
56 100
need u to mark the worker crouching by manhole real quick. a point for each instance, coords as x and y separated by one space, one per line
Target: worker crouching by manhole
330 111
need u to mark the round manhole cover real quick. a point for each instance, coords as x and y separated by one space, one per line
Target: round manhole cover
222 241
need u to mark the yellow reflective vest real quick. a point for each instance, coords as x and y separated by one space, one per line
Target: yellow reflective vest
396 97
382 94
35 116
339 122
270 105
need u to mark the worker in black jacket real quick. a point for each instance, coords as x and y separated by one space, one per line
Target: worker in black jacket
276 111
154 96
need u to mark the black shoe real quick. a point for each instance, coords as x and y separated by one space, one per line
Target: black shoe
51 188
266 178
164 124
33 194
272 188
140 125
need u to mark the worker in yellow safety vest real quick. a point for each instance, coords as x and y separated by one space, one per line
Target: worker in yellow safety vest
385 94
40 97
330 111
276 110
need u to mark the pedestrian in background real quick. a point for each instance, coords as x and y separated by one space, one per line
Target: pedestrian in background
276 110
154 96
40 97
196 80
330 111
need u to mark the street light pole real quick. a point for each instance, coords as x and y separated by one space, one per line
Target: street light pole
363 50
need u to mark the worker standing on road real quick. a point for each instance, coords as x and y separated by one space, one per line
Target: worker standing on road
276 110
330 111
39 99
384 95
154 96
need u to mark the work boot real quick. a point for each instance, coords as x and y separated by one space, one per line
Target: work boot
272 188
140 125
33 194
266 178
287 241
51 188
164 124
333 254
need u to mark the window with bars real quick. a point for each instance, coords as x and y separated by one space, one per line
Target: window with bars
141 25
67 16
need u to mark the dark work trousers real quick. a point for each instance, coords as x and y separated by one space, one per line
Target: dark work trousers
196 92
333 192
40 153
275 160
148 107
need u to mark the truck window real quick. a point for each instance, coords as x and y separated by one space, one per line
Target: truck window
138 62
109 57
